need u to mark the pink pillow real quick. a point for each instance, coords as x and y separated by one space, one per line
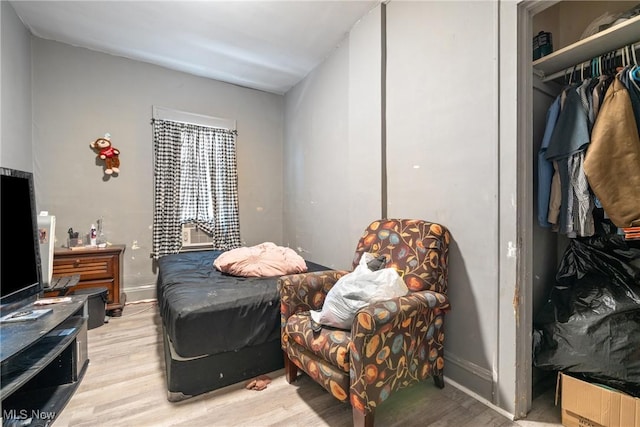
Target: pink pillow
263 260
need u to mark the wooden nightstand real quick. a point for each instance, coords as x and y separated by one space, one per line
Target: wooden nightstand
97 268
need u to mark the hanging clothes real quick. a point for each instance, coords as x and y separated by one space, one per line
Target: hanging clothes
545 167
627 78
555 197
568 143
598 94
581 223
612 162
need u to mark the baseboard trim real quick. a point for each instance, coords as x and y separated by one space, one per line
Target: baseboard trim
479 398
139 293
475 380
472 368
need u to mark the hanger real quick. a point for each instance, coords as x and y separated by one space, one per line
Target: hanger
572 75
603 63
595 66
627 57
635 73
627 51
622 62
607 63
600 69
635 70
568 76
612 62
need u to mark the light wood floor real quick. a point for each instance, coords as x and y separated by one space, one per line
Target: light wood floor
124 386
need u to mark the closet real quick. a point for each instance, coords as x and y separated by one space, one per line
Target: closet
576 43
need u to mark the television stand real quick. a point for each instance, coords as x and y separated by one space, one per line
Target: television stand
42 363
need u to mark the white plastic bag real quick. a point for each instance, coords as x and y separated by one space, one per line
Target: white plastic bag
356 290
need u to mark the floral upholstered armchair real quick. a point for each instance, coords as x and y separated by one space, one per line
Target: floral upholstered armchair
392 344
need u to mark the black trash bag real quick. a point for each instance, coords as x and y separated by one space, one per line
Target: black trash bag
591 323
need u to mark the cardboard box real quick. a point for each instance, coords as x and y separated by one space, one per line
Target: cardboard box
587 404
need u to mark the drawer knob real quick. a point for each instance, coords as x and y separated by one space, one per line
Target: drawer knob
76 263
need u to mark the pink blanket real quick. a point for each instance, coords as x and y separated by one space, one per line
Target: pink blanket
263 260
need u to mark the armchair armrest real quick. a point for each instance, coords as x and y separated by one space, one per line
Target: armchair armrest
305 291
395 343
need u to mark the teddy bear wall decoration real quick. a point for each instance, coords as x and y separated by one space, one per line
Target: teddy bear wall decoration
107 153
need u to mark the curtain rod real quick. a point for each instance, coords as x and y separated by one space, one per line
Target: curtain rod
587 64
164 113
217 128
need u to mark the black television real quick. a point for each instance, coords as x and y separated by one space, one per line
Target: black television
20 265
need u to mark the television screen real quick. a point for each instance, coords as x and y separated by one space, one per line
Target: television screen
20 267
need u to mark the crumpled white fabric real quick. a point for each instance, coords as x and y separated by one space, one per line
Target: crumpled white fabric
264 260
357 289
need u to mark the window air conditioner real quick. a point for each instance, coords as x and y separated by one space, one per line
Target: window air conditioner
194 238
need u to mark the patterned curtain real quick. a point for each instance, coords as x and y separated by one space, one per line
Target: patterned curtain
195 181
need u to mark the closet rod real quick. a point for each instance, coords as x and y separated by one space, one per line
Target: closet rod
586 64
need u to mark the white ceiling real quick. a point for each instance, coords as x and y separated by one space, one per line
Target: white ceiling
265 45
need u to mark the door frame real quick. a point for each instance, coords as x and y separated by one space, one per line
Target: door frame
516 123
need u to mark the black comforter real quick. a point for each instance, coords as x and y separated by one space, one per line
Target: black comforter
205 311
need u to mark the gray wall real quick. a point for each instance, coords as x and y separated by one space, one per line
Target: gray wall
15 89
332 149
79 95
444 162
443 159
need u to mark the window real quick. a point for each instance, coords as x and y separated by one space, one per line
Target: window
195 180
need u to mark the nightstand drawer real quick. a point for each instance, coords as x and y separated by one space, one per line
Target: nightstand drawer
93 268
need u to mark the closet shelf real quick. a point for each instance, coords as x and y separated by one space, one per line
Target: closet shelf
610 39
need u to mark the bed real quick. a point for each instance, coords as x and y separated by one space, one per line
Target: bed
217 329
